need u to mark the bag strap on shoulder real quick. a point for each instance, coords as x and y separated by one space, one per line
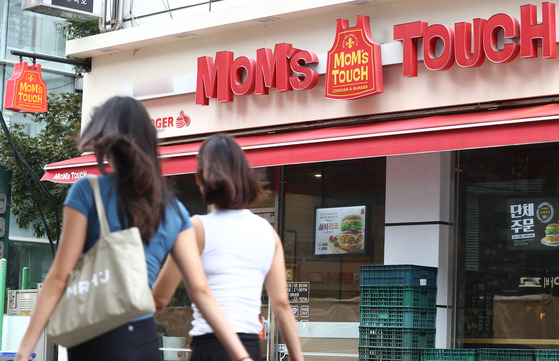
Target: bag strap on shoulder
103 222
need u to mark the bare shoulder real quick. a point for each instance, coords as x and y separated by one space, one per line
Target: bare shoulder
199 230
277 239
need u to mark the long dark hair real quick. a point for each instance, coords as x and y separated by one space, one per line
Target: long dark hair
121 131
225 175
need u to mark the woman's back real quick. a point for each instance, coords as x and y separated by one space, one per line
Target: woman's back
80 197
238 251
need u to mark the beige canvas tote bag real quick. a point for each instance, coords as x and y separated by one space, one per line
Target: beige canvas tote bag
108 288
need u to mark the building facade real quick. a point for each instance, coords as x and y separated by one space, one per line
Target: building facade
435 121
31 33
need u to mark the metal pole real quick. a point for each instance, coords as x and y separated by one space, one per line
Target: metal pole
3 267
25 278
85 63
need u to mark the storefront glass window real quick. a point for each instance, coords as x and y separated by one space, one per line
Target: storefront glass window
324 280
316 197
508 249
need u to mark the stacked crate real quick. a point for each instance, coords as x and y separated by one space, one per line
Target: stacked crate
489 354
398 312
449 354
546 355
508 354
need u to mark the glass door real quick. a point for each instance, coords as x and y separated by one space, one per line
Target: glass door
331 220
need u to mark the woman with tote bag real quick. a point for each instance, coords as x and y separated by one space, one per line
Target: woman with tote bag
133 195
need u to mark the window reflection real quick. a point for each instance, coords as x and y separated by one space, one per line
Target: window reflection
328 323
328 320
506 283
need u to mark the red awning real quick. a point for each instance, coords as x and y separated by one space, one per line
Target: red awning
528 125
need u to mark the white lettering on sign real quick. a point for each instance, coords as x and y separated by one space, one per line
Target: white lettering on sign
298 292
69 175
538 282
522 222
84 286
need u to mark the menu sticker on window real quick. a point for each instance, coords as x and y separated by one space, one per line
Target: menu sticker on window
298 292
340 231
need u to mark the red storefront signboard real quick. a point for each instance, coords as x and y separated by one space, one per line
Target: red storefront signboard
26 92
354 68
468 45
354 65
286 68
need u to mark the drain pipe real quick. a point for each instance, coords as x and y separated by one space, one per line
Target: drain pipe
114 20
3 268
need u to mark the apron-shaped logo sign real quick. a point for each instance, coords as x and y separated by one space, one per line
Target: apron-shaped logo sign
354 68
26 92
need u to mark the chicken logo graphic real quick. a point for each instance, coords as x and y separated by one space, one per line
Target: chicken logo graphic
183 120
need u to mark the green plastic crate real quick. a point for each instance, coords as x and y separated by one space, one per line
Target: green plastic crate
401 317
382 337
398 275
546 355
505 354
449 354
388 354
399 296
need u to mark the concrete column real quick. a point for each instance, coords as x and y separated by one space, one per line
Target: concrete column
419 220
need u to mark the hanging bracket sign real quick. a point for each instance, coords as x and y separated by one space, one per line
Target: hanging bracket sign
26 92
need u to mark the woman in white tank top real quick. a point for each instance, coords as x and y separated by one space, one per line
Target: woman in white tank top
239 251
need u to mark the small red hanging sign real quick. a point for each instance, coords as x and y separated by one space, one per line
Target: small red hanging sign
26 92
354 68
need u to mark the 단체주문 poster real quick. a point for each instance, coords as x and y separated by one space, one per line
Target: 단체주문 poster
533 224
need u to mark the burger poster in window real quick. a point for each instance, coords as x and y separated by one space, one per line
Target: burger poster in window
340 231
533 224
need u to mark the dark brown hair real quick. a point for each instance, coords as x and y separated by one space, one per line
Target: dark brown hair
121 131
226 178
